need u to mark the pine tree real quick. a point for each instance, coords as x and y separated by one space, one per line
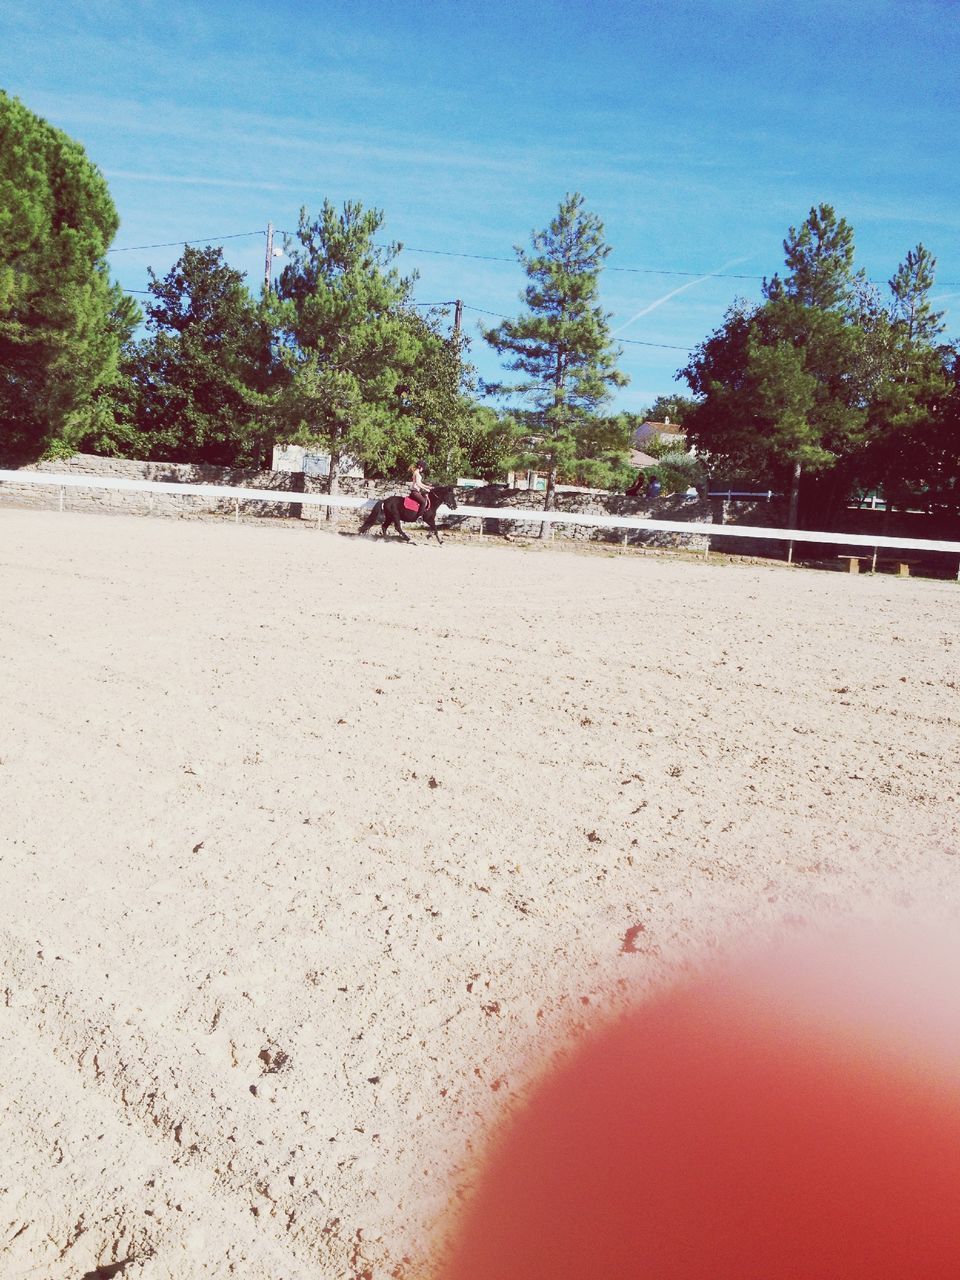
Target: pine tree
562 343
819 261
203 377
435 410
369 376
909 415
60 318
911 310
784 385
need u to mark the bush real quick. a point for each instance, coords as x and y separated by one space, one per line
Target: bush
677 471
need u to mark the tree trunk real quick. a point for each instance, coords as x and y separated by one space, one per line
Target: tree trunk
333 486
264 452
794 505
549 499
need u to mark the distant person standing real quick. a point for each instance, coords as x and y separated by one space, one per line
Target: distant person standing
653 488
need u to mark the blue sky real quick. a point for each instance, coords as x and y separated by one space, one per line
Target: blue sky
699 132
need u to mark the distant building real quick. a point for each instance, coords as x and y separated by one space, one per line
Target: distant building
659 432
639 459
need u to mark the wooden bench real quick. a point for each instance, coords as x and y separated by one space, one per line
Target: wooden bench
903 563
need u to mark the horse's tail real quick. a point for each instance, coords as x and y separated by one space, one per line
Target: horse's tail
372 518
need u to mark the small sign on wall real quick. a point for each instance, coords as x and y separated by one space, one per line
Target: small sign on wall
294 457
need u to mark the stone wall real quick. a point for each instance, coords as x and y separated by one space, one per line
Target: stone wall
179 506
718 512
593 502
187 506
767 513
666 507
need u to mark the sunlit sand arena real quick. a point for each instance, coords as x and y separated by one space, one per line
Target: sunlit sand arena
313 847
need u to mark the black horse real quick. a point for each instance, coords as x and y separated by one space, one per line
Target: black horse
389 511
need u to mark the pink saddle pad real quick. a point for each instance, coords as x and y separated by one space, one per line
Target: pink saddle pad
411 504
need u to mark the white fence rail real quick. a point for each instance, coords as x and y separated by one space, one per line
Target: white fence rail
525 516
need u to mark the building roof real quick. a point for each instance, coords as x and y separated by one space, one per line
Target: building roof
639 459
665 431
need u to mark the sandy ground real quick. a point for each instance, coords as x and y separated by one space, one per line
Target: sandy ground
312 847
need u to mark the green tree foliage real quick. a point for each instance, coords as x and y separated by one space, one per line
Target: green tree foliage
562 345
491 443
677 471
783 387
61 320
825 379
602 445
819 261
942 471
108 426
435 416
370 379
912 313
672 409
203 377
909 418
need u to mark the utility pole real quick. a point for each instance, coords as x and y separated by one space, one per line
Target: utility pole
268 263
457 317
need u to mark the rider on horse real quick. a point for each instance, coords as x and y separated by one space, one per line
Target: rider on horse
419 489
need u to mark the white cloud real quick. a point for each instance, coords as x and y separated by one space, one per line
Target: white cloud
199 180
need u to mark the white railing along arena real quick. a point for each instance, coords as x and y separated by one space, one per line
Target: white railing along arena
525 516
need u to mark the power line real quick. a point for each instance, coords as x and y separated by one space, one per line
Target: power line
174 244
489 257
649 271
444 253
482 257
413 304
652 271
450 253
701 275
665 346
498 314
633 342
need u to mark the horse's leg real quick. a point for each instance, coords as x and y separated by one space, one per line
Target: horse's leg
371 519
391 518
428 521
